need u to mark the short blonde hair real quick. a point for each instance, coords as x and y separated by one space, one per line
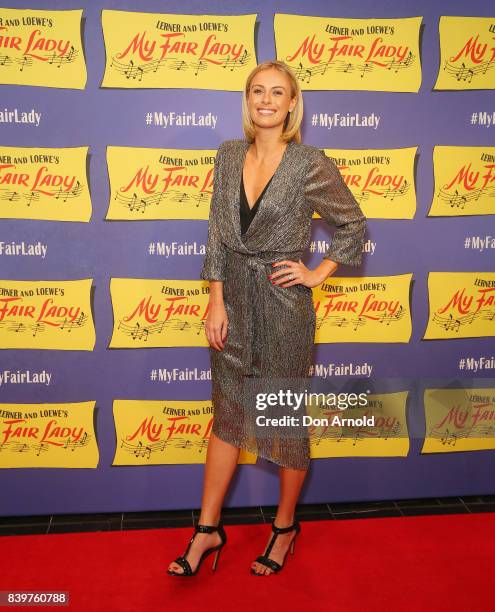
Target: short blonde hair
292 124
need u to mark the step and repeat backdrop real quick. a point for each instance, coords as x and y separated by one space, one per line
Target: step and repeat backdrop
110 120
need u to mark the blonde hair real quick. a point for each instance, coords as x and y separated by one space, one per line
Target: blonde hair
293 121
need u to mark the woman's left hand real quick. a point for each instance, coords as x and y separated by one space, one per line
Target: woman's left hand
296 273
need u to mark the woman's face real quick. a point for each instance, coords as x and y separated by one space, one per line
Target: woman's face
269 98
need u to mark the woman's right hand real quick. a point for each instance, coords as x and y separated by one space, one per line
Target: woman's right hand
216 324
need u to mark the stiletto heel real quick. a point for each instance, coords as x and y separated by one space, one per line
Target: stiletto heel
184 563
293 545
271 563
215 561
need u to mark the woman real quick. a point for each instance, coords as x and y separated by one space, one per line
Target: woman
261 317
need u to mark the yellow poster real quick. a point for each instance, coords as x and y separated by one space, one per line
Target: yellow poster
46 315
459 420
462 305
42 47
158 312
467 53
378 429
44 183
356 54
177 51
159 183
381 180
363 309
159 432
464 181
48 435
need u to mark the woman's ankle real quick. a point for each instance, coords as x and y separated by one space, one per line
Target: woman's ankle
209 520
284 521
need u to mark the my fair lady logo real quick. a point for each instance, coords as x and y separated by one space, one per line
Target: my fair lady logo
370 308
342 47
34 44
150 182
375 181
469 180
39 181
50 313
475 51
174 426
466 418
180 305
461 302
16 430
174 43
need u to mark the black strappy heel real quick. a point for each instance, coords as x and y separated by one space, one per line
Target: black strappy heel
184 563
271 563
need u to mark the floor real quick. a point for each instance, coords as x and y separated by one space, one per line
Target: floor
70 523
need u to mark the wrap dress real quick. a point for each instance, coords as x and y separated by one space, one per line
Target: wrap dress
271 329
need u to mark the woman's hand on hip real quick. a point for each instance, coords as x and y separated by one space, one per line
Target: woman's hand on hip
216 324
295 273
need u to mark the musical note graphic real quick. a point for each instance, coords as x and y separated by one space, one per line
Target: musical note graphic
30 196
463 73
388 193
235 63
20 327
451 323
138 332
23 447
27 61
450 438
202 444
136 72
356 322
355 433
146 450
39 448
75 444
305 73
138 204
5 60
37 326
457 200
77 323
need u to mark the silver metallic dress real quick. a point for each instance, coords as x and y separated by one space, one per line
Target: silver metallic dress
271 328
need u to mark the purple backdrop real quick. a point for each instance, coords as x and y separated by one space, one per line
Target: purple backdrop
104 249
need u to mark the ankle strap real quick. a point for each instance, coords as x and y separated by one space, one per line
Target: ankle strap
207 528
276 529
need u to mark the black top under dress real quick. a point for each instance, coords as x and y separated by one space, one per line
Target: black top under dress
247 214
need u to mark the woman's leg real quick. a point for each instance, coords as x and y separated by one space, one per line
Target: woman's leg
221 463
291 481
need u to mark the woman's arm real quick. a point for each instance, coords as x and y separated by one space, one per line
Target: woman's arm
214 265
215 258
326 192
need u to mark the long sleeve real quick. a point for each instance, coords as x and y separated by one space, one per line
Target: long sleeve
327 193
215 258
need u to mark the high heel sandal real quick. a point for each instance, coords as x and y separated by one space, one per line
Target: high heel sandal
271 563
184 563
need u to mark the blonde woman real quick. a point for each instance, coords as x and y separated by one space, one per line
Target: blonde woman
261 317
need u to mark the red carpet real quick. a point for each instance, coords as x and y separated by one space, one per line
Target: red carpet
410 563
